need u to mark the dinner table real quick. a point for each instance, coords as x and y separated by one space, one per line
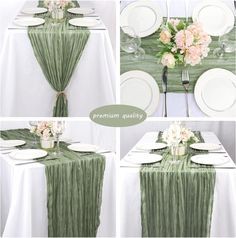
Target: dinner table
132 68
134 188
25 191
25 92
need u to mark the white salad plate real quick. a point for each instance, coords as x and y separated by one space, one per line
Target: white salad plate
11 143
144 17
80 10
143 158
209 159
29 21
79 147
151 146
85 22
139 89
205 146
34 10
28 154
215 93
216 17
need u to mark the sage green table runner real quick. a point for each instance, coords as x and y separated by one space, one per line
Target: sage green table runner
74 189
176 200
151 64
58 48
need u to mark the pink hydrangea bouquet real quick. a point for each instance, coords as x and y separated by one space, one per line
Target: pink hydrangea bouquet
178 134
43 130
183 43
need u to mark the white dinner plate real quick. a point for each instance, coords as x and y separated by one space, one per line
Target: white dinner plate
143 158
139 89
34 10
11 143
205 146
80 10
29 21
28 154
216 17
215 93
79 147
151 146
144 17
209 159
85 22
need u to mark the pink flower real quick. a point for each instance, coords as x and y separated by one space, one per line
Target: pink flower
165 36
193 55
174 22
168 60
184 39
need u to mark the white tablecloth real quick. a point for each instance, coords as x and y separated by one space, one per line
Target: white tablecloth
24 199
224 206
25 91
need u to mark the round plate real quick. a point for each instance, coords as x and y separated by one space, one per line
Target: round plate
78 10
84 22
215 92
79 147
11 143
29 21
143 158
28 154
205 146
215 16
143 16
151 146
139 89
209 159
34 10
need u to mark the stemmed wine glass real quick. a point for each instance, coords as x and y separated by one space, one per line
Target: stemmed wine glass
58 128
131 43
227 43
33 125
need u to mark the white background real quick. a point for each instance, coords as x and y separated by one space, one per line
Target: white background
225 131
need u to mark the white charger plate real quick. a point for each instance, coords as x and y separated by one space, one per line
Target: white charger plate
79 147
151 146
215 93
143 158
28 154
29 21
80 10
209 159
216 17
85 22
11 143
205 146
139 89
34 10
144 17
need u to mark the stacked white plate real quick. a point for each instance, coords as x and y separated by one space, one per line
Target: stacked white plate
143 158
209 159
28 154
144 17
29 21
215 93
85 22
34 10
79 10
139 89
205 146
151 146
11 143
79 147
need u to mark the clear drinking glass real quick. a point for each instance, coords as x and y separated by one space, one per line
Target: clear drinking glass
58 128
131 43
33 125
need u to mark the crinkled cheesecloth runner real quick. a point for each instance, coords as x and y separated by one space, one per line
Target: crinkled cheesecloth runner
151 64
58 48
74 188
176 200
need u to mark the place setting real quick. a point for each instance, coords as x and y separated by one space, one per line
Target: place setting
156 60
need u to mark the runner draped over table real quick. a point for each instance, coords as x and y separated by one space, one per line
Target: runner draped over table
151 64
58 48
177 200
74 189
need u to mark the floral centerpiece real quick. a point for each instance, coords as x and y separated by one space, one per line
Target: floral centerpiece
44 131
183 43
179 136
57 7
